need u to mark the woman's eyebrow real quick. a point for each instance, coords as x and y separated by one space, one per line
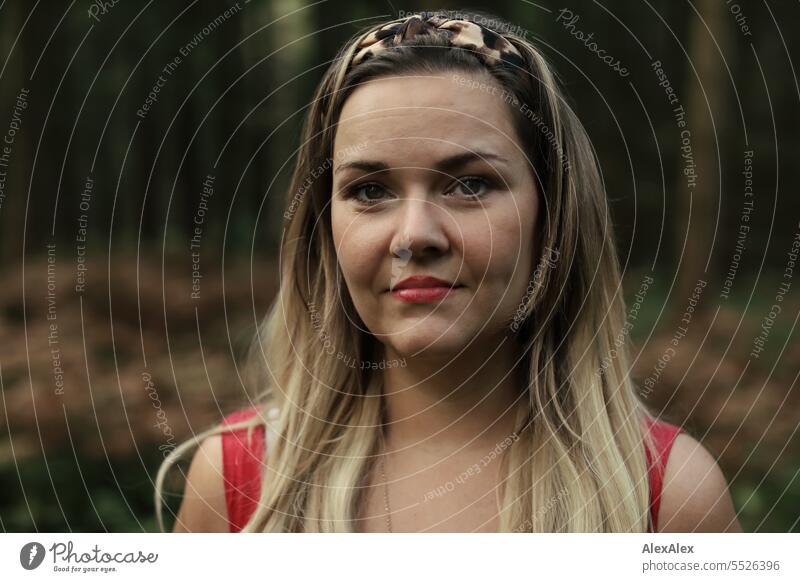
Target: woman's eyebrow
446 165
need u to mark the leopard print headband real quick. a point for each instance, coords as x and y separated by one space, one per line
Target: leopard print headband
486 44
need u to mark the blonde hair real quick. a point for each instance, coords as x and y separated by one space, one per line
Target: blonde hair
578 464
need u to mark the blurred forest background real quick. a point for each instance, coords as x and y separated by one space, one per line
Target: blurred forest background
107 361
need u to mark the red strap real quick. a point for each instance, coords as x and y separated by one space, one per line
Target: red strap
663 434
242 462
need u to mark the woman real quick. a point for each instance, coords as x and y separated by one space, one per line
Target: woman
440 356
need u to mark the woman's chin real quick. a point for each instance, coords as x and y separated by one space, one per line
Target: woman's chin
428 344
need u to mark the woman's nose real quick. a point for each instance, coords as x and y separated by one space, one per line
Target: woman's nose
420 230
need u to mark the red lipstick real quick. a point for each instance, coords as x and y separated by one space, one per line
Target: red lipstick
423 289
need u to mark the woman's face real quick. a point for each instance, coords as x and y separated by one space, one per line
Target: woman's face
429 179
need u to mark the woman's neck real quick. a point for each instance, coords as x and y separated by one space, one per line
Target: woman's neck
443 405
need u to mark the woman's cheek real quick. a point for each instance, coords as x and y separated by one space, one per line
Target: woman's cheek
494 248
359 259
506 264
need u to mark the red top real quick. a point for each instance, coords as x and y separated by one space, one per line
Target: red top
664 435
242 463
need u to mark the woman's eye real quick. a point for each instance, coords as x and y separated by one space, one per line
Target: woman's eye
468 187
366 193
472 187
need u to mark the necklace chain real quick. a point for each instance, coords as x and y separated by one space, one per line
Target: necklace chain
385 488
386 485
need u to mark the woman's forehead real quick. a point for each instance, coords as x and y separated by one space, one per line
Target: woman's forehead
428 109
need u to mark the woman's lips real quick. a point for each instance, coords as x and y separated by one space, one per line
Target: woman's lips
423 294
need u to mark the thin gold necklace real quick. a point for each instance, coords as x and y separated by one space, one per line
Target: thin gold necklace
385 487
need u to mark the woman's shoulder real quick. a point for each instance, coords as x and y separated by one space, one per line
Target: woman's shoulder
694 496
219 467
203 508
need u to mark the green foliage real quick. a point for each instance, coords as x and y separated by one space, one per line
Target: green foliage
53 496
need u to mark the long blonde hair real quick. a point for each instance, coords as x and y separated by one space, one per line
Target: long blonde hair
578 464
